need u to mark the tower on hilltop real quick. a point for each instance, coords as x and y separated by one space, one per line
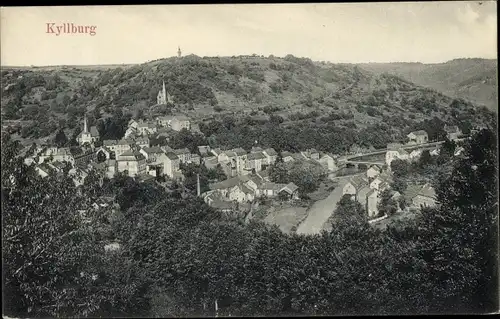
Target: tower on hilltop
179 53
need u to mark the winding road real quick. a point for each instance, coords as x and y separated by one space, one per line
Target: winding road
320 211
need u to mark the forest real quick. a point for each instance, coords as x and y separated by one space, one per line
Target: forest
178 257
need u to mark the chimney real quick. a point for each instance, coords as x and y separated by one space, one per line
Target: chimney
198 184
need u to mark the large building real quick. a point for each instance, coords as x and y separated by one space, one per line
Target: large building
163 96
87 136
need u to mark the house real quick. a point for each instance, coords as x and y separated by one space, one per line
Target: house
426 197
373 171
132 124
418 137
130 132
151 153
379 180
393 154
328 162
118 146
256 149
195 159
415 155
255 161
270 189
204 150
271 156
290 192
132 162
372 203
164 121
216 151
362 193
452 132
44 169
56 154
435 152
287 157
264 175
234 189
146 128
210 162
171 164
313 154
180 122
184 155
354 185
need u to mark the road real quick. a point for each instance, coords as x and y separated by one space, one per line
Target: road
320 211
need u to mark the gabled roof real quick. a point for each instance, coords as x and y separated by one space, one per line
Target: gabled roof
290 188
419 133
130 156
358 182
256 156
286 154
372 192
180 151
451 129
239 151
270 152
427 191
172 156
152 150
376 167
402 151
271 186
411 191
362 193
256 149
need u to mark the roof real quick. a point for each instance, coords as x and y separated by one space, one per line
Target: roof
264 173
362 193
45 167
427 191
228 183
239 151
358 182
94 131
270 152
257 180
245 189
371 193
419 133
172 156
230 153
451 129
256 149
312 150
131 155
165 118
152 150
375 167
271 186
180 151
256 156
411 191
167 148
402 151
204 149
146 124
394 146
290 188
181 118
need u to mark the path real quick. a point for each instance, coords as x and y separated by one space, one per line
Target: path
320 211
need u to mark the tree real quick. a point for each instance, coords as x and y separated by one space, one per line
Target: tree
457 238
60 139
400 168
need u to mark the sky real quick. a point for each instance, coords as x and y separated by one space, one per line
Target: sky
427 32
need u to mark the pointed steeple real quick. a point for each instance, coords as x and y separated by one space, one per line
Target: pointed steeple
85 124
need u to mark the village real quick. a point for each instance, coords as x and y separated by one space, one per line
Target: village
248 182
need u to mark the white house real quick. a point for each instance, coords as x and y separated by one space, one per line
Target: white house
373 171
418 137
328 162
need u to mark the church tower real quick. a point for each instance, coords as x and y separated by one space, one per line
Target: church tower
179 53
85 129
162 95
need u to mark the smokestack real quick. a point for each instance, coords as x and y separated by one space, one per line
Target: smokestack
198 184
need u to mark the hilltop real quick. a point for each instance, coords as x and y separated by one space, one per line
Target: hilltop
471 79
294 90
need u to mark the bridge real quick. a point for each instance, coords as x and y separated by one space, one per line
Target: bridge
361 159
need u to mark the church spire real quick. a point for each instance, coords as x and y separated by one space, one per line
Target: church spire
85 123
164 90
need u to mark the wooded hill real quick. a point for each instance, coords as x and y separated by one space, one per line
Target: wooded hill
295 89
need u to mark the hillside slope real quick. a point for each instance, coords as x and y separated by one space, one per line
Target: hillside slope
295 89
471 79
